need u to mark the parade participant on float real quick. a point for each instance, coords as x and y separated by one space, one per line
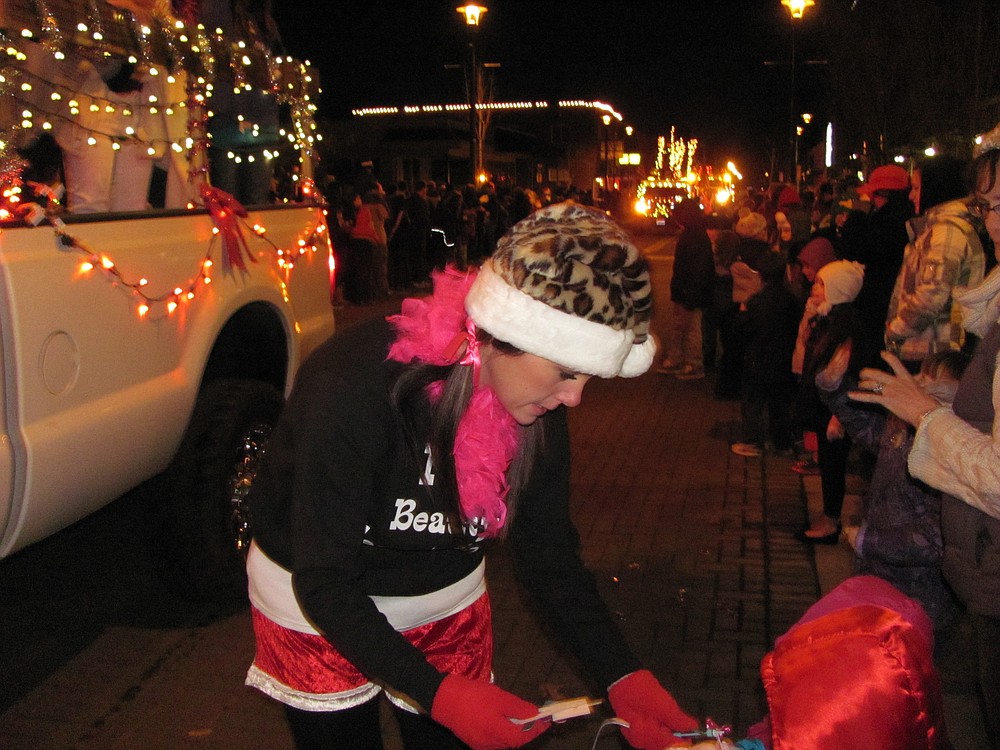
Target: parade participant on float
404 450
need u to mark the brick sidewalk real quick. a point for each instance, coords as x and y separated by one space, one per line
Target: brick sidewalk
694 551
691 545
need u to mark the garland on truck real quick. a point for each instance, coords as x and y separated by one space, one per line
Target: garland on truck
230 219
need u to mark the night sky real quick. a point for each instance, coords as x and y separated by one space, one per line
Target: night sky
698 65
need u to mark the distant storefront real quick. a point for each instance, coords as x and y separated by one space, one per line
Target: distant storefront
530 144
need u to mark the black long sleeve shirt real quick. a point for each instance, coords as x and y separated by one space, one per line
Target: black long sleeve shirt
340 502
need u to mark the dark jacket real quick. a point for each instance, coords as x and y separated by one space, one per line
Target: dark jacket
900 538
877 242
770 327
694 270
335 502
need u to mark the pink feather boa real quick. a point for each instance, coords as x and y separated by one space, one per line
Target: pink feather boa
432 330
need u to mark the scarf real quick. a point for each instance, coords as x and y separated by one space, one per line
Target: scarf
433 330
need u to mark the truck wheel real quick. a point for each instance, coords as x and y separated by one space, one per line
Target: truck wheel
207 522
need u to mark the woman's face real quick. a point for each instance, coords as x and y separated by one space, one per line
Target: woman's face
529 386
817 293
991 198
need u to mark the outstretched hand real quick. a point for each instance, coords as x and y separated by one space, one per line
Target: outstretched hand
898 391
651 712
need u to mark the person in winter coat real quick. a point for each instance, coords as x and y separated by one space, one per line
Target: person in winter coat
769 328
945 252
835 324
690 294
724 314
752 231
814 255
409 447
900 534
877 240
722 288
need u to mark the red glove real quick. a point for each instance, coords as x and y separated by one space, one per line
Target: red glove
652 713
480 714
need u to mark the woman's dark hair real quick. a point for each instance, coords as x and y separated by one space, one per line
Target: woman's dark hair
688 213
984 171
942 178
830 331
751 251
771 266
408 392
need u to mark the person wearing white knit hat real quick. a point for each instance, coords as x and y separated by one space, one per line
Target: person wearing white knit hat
405 447
840 282
835 327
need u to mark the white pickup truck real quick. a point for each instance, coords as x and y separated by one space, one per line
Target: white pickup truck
147 348
131 349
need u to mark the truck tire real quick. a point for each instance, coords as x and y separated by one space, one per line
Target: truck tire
207 528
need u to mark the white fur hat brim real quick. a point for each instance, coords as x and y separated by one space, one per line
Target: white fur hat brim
534 327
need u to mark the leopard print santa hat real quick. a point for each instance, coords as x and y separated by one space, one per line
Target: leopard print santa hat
567 284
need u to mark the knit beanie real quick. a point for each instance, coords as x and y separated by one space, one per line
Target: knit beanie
842 281
817 253
568 285
752 226
788 198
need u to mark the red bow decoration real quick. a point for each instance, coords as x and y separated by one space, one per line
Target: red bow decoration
226 213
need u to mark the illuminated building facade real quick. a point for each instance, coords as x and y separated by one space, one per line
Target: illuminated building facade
529 143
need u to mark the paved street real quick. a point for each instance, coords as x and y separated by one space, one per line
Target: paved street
691 545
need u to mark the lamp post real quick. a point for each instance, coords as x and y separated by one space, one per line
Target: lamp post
799 130
473 13
797 9
606 119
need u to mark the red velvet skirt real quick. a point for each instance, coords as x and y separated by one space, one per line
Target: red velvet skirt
305 671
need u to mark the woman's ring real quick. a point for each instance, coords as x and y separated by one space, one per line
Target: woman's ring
878 388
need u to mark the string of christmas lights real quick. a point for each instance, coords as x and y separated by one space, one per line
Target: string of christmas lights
679 170
164 50
315 239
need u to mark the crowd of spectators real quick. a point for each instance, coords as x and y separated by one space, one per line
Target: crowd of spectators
426 225
890 283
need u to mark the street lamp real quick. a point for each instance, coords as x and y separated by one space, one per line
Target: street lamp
606 119
799 130
797 9
473 13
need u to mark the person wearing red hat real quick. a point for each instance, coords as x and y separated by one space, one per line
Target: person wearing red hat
888 177
877 240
